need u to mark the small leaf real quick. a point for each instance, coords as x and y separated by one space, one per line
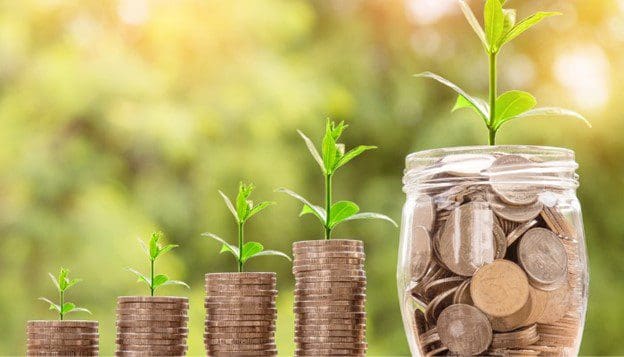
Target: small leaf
81 309
353 153
56 283
72 282
272 252
141 277
176 282
509 19
474 23
259 208
68 307
371 215
476 103
313 209
243 206
524 25
227 247
494 23
342 210
229 205
167 248
329 148
312 149
144 247
250 249
510 104
551 111
53 306
462 102
153 245
319 213
62 280
159 280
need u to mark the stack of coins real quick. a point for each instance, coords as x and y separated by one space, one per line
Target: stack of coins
240 314
62 338
330 298
494 254
149 325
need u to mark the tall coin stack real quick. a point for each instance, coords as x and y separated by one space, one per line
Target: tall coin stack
330 298
152 326
62 338
240 314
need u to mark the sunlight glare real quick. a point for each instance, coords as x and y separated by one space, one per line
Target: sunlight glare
133 12
426 12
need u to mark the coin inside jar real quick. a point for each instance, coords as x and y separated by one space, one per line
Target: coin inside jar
543 257
504 171
420 252
424 213
500 288
464 329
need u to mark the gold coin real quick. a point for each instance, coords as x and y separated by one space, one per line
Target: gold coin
500 288
464 329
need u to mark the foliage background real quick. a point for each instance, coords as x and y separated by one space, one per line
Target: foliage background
121 117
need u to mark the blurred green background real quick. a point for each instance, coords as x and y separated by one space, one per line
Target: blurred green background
118 118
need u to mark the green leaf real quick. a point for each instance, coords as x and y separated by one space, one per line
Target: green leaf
474 23
524 25
353 153
229 205
272 252
243 206
55 282
510 104
509 19
166 248
63 279
342 210
476 102
144 247
153 245
53 306
312 149
72 282
226 247
462 103
551 111
329 148
494 23
250 249
371 215
313 209
316 210
259 208
141 277
68 307
81 309
159 280
176 282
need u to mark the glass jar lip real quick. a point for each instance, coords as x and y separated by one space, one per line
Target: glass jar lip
549 152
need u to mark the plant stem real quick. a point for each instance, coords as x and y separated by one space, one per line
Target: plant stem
492 137
62 298
328 202
240 247
152 277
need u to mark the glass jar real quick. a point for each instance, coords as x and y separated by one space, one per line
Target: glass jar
492 255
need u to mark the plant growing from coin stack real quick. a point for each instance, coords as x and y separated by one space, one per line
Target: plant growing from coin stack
242 212
153 251
331 158
500 28
62 284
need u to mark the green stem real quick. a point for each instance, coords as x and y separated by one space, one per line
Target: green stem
152 277
240 247
492 97
62 298
328 202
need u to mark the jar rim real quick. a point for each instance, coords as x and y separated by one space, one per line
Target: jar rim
552 152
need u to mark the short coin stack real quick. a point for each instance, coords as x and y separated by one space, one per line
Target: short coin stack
154 326
240 314
330 298
62 338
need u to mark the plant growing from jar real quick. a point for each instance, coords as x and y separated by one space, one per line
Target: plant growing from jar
331 158
154 250
242 212
62 284
500 28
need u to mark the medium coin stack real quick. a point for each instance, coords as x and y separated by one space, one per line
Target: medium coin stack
62 338
330 298
152 325
494 256
240 314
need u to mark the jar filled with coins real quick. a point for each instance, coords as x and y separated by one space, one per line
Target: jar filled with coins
492 256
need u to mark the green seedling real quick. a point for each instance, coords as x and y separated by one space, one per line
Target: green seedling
242 212
333 157
500 28
154 251
63 283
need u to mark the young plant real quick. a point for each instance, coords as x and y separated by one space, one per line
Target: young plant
332 158
242 212
63 283
500 29
154 251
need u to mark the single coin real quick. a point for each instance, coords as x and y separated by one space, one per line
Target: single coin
306 328
500 288
543 257
61 342
558 223
337 345
424 213
328 309
464 329
515 213
144 323
519 231
329 270
326 255
152 299
328 243
151 335
156 350
245 347
248 276
462 294
239 329
158 318
244 353
336 261
464 244
241 311
324 285
240 299
500 241
329 279
332 291
138 311
330 352
332 339
466 165
515 320
506 174
239 323
420 252
62 335
233 317
221 335
238 303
